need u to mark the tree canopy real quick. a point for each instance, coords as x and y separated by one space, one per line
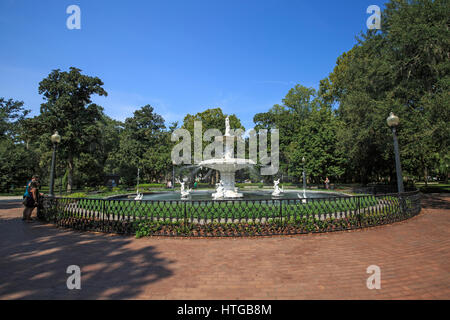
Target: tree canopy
340 128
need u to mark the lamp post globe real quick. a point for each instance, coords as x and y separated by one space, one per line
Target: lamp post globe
55 138
393 122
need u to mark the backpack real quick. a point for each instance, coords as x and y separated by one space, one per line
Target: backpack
27 192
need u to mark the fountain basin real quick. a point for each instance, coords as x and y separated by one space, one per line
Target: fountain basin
246 195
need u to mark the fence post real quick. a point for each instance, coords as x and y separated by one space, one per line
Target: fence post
56 210
281 211
103 214
359 210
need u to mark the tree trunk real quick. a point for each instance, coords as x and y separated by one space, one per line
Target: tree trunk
70 174
425 174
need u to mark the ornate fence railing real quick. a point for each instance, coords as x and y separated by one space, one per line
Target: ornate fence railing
207 218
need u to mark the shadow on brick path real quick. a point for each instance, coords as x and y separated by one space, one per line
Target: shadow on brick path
435 201
34 259
413 256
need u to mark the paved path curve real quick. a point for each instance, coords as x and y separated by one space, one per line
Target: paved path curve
414 257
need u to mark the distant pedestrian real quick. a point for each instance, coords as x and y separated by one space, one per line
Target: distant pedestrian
327 183
31 197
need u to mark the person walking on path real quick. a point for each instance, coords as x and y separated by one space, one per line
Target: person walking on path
31 198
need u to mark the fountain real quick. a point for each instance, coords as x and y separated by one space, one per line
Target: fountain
227 166
139 196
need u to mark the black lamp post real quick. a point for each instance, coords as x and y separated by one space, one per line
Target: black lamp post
393 122
304 173
56 138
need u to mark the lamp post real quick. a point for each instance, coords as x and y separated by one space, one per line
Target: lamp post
304 173
56 138
393 122
173 176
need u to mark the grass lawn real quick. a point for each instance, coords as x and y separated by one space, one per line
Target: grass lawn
433 187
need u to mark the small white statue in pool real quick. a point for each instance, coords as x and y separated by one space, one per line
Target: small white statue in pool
220 191
303 197
184 193
276 189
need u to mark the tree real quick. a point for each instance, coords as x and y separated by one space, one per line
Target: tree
17 163
289 118
316 140
403 68
211 119
69 109
12 114
145 144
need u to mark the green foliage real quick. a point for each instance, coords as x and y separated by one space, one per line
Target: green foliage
68 108
341 129
145 144
12 114
17 162
404 68
308 128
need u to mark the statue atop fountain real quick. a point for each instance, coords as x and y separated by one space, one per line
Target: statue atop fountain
227 166
227 127
276 189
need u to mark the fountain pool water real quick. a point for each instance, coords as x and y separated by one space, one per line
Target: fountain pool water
246 195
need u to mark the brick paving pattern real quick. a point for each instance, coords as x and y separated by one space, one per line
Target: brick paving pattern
414 257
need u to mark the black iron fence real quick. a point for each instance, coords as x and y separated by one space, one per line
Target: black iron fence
207 218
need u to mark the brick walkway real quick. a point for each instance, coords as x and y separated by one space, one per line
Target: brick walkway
414 257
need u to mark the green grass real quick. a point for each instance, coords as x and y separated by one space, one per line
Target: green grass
433 187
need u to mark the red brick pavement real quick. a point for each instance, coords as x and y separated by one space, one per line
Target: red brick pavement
413 255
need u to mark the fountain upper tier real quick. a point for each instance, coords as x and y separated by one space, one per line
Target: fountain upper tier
224 164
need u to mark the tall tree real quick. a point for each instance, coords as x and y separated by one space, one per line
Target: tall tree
288 118
17 162
145 144
12 114
69 109
403 68
316 140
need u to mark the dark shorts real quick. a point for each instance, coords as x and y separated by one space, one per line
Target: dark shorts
28 202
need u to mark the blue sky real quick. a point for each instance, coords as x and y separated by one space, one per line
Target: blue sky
179 56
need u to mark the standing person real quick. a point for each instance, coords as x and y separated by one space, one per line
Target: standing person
31 197
327 183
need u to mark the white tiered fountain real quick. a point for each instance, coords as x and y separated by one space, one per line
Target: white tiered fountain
227 166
